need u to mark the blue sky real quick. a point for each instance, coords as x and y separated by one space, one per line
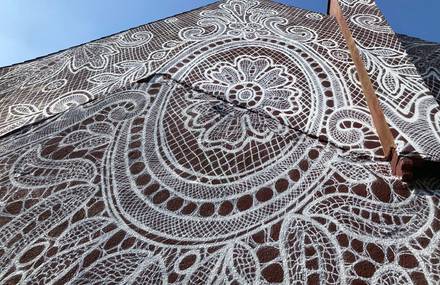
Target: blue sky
30 28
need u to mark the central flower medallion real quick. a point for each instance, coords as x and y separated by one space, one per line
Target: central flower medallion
219 146
254 82
247 93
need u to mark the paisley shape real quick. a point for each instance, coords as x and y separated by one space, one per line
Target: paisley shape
31 170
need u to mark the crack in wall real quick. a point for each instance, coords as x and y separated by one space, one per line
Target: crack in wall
164 78
350 154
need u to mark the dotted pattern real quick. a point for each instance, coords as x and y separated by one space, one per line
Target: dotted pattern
209 172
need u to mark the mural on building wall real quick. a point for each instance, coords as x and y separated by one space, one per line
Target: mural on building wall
408 104
228 145
426 57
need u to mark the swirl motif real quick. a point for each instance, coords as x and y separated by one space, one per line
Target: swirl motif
135 39
237 167
314 16
371 22
347 126
293 33
237 18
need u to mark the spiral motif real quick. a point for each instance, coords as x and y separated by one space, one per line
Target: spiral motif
371 22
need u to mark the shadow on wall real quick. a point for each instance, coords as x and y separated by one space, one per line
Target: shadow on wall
426 57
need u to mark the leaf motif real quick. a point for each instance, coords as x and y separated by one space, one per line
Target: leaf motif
81 232
385 52
207 271
133 70
130 65
105 78
32 253
391 82
120 268
408 70
243 263
300 236
373 220
58 204
353 172
57 266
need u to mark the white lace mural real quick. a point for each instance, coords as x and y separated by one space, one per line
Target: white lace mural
227 145
408 104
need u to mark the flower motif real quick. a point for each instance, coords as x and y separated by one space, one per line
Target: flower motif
32 73
220 125
91 56
247 84
248 31
254 84
242 18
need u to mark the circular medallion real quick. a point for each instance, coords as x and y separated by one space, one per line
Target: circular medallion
216 156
